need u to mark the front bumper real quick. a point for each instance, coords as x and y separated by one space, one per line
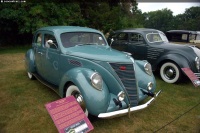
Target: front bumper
198 75
128 110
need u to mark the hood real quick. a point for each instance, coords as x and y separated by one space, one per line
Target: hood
97 52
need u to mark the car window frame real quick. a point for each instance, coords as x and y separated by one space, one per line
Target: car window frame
52 34
35 43
72 44
138 42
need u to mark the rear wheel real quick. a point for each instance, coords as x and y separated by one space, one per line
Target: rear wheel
73 90
170 72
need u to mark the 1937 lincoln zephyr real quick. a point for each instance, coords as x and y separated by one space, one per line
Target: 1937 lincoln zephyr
152 45
78 61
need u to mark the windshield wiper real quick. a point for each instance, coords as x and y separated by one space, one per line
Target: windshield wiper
87 44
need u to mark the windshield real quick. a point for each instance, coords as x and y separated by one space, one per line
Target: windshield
70 39
156 37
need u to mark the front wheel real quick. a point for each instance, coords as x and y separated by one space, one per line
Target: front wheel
73 90
170 72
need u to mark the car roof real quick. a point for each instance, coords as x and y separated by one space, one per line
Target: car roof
137 30
182 31
62 29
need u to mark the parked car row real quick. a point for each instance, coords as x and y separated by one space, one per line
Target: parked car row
107 81
184 36
152 45
78 61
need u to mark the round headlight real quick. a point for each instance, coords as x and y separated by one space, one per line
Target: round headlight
197 62
96 81
150 86
147 68
121 96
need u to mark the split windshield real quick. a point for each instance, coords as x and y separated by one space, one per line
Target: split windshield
156 37
70 39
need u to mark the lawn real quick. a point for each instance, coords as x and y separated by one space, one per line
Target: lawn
22 110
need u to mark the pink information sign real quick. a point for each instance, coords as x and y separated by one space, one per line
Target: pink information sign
192 76
68 116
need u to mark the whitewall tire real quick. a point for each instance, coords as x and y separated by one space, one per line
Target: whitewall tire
170 72
73 90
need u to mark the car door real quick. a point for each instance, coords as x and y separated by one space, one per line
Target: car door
52 54
39 53
120 41
137 46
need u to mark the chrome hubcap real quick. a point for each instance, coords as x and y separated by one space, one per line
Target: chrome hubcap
79 99
170 73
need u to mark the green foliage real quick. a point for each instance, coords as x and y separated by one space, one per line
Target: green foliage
25 18
164 20
160 19
18 21
189 20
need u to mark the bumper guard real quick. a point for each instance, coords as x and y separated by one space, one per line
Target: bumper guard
128 110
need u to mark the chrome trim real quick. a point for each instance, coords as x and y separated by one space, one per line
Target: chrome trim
149 72
197 62
198 75
100 89
128 110
121 96
149 85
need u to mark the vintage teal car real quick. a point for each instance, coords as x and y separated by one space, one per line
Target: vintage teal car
78 61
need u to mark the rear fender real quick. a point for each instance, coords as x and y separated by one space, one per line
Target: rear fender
30 61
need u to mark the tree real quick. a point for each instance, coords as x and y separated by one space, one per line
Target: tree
189 20
24 19
161 19
20 20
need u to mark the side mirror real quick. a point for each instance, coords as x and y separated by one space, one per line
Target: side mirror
111 41
50 42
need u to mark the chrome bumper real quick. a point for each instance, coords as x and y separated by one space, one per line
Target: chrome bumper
126 111
198 75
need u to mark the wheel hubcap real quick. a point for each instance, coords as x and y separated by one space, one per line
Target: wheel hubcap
170 73
79 99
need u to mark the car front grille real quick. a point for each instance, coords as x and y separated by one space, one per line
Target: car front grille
126 74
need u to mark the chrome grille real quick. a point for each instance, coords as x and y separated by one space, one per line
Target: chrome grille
127 76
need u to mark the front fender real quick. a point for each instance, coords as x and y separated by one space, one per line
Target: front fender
96 101
30 61
143 78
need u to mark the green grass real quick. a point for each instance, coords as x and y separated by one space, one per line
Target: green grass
22 105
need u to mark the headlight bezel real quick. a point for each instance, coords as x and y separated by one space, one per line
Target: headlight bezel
121 96
149 86
148 68
197 63
96 81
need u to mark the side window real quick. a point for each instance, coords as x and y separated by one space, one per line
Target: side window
50 41
184 37
136 38
39 39
122 36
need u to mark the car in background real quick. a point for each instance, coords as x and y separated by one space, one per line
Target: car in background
78 61
152 45
183 36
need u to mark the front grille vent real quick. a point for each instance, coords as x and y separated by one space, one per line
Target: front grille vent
127 76
75 63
